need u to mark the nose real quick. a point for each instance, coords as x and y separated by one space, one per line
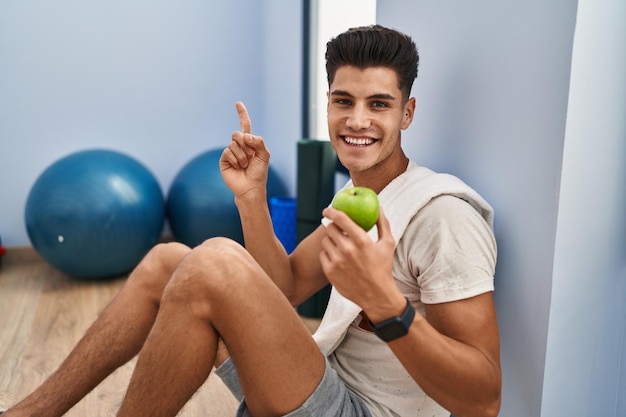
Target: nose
358 118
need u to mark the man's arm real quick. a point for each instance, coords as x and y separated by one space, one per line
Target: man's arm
244 165
453 353
299 275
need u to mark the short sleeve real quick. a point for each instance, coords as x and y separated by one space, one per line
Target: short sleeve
449 250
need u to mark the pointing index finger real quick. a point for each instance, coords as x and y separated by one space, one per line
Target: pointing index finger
244 118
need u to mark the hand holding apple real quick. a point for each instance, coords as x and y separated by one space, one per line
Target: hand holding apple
360 204
357 265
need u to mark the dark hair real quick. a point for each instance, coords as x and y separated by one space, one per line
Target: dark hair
374 46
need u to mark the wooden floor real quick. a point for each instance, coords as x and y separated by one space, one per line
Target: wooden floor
43 313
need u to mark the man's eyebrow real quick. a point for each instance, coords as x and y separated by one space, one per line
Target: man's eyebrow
340 93
380 96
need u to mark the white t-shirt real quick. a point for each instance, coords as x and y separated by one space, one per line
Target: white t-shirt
447 253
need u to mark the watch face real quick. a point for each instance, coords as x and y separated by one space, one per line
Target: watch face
395 327
391 330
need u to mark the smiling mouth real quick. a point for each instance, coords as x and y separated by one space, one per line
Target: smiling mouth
358 141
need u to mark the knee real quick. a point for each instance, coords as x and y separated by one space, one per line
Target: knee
155 270
214 262
210 271
217 257
220 249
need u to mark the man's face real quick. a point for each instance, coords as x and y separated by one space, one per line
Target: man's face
365 116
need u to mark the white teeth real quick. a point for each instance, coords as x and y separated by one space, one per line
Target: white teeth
358 141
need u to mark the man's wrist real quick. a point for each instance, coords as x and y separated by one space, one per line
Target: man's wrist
395 327
383 310
251 199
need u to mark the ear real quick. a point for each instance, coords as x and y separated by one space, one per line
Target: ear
407 113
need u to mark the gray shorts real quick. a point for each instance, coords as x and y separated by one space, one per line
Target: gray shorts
331 398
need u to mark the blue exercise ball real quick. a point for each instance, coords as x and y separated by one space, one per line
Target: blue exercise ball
201 206
94 214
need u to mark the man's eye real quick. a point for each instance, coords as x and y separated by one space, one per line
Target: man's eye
343 101
379 104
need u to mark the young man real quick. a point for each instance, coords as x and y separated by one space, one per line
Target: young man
432 251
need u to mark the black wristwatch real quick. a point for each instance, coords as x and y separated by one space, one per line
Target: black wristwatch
395 327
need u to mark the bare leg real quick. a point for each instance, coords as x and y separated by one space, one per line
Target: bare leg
220 291
113 339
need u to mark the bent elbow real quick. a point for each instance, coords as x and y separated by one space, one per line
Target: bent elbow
492 407
486 408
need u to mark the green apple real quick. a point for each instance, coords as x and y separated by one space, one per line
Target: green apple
360 204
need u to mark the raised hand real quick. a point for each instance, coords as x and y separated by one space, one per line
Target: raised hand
244 163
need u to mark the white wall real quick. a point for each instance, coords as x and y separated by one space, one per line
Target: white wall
328 19
492 94
585 372
496 107
157 80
